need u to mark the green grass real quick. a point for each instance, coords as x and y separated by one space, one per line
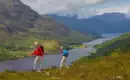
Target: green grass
3 36
5 54
78 46
103 68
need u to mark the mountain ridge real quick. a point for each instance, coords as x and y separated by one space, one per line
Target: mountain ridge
19 20
106 23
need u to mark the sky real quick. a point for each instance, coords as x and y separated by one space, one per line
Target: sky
81 8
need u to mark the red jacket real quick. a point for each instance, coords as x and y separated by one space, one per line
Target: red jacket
38 51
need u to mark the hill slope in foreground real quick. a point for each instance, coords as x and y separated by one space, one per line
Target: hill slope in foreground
112 67
20 21
109 68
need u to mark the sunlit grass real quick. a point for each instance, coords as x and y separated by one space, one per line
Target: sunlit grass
102 68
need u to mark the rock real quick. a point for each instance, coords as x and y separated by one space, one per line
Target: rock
81 75
118 78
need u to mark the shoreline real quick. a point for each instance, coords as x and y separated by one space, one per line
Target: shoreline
46 54
70 62
49 61
26 56
17 58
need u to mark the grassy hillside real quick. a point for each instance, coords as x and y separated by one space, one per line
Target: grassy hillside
112 67
110 42
114 46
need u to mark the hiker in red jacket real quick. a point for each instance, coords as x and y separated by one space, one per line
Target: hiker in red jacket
39 53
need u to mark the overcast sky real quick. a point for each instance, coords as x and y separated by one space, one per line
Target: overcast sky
81 8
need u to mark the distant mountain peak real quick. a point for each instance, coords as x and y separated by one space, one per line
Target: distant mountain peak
106 23
111 17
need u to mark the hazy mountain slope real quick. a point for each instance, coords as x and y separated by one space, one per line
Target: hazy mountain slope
106 23
74 23
19 20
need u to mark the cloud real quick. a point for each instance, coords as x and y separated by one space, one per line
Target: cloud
121 9
81 8
86 13
53 6
128 14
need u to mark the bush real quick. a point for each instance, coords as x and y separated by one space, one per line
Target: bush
51 45
114 54
5 54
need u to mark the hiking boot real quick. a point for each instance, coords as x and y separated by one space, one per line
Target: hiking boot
42 69
33 70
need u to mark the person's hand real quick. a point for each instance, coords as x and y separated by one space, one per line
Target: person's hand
29 55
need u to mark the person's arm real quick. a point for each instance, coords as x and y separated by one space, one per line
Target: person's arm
32 53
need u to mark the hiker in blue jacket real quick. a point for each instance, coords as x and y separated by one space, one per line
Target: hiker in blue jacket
65 54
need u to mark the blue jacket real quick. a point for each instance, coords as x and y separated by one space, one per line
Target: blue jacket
65 53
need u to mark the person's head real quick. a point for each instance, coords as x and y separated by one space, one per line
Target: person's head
61 47
35 43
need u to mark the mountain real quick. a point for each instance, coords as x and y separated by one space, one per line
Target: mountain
117 45
74 23
111 17
100 24
18 20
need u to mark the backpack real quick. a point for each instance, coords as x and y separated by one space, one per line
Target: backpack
42 48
